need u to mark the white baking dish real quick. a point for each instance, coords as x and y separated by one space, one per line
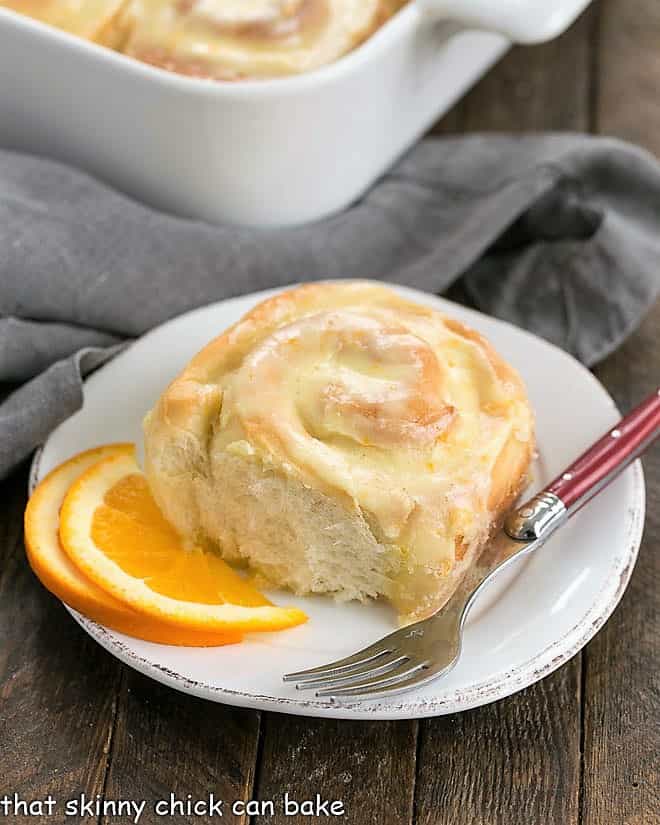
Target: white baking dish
266 153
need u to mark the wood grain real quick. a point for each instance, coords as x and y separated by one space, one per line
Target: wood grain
622 689
369 766
513 762
180 745
628 97
57 687
533 88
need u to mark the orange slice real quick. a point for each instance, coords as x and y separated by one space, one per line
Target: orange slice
59 575
113 531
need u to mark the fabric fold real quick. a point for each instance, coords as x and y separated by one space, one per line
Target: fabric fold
555 233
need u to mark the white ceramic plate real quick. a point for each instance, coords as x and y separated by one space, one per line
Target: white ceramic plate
519 632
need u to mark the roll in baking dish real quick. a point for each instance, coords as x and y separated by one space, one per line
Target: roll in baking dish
220 39
234 39
341 439
225 152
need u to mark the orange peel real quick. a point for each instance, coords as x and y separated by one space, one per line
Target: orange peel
58 574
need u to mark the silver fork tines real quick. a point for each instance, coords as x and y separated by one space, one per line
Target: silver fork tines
392 665
391 678
372 668
349 663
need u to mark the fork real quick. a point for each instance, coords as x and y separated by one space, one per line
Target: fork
422 652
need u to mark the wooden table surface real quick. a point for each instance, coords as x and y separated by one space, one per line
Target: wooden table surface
581 746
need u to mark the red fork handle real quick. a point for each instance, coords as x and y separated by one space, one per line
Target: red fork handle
605 459
539 517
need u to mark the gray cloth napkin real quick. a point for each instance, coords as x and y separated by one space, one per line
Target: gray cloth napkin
559 234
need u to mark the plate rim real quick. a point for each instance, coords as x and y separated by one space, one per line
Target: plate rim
499 686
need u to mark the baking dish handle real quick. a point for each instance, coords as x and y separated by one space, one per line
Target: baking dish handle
522 21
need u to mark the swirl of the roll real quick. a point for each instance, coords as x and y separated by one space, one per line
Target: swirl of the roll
239 39
406 416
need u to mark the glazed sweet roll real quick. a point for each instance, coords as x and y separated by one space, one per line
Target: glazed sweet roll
343 439
239 39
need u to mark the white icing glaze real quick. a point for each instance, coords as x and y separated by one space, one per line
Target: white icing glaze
396 411
230 39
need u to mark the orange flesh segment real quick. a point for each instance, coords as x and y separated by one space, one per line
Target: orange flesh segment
130 529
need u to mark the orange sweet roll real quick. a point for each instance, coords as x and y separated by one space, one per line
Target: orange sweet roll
239 39
343 439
